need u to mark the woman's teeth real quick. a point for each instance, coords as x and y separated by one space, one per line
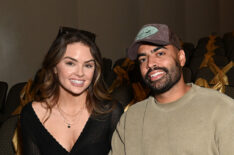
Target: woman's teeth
78 81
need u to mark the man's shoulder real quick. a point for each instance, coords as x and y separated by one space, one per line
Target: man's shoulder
212 95
139 105
133 117
137 110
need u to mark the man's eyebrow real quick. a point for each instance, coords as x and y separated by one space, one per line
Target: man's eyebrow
141 54
154 50
157 48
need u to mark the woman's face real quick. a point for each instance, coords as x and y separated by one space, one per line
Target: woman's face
76 69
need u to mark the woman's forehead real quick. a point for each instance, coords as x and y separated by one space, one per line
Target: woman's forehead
78 51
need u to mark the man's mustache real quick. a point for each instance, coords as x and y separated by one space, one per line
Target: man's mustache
155 68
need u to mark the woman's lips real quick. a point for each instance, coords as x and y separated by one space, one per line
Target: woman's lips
77 82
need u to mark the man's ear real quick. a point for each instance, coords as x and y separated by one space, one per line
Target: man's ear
182 57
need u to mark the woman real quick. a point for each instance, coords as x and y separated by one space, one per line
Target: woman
72 113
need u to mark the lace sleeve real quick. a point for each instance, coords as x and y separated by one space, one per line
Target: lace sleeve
29 146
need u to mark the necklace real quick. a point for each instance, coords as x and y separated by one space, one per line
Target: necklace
62 113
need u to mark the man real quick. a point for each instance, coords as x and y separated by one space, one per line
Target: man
179 118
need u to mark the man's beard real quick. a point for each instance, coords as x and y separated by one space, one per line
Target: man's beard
168 80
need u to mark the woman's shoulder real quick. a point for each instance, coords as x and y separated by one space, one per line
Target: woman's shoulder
38 106
32 108
117 111
27 108
117 107
40 109
26 114
114 106
111 109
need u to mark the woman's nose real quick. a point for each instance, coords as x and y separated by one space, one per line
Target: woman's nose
80 71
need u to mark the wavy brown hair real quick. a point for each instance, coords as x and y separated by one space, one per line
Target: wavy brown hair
46 84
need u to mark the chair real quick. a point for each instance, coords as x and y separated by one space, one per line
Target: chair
13 99
230 91
195 63
188 49
6 134
228 39
204 73
230 75
187 75
3 93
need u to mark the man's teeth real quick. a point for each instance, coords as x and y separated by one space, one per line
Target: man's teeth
155 74
77 81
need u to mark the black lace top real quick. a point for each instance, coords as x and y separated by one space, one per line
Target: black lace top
95 139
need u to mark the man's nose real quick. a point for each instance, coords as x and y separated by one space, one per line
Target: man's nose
151 62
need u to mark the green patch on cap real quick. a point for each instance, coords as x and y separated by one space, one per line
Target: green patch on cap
145 32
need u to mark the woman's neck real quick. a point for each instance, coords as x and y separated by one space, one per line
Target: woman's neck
72 103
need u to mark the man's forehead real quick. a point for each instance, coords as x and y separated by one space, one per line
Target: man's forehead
147 47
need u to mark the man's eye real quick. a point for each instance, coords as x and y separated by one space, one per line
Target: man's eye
141 60
160 53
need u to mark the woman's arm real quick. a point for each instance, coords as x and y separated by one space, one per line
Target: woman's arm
28 134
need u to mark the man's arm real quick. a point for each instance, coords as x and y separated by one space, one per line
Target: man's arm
225 129
118 138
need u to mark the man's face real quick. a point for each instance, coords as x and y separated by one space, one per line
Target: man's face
160 66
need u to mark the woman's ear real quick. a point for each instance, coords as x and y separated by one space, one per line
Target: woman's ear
55 70
182 57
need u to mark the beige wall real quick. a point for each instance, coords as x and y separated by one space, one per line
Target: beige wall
170 12
226 16
28 27
114 22
201 19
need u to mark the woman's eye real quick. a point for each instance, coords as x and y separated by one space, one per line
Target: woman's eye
69 63
89 65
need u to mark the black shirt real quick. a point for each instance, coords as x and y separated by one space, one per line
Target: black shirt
95 139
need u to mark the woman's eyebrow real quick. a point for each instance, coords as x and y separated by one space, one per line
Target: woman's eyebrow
67 57
92 60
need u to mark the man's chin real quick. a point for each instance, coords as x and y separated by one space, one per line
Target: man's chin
160 87
159 91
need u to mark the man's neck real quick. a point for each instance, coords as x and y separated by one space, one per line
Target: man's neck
175 93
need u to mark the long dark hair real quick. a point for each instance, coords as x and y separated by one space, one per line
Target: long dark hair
46 83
